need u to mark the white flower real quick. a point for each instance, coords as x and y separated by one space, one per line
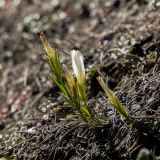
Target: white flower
78 66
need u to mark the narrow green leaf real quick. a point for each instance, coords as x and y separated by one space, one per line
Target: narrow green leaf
68 92
69 101
118 105
57 66
58 59
58 84
51 66
73 116
84 110
113 99
79 116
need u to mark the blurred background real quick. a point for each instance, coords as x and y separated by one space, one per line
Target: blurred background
93 27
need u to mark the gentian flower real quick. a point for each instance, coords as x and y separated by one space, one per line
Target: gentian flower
78 66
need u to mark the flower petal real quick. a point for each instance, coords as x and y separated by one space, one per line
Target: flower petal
78 65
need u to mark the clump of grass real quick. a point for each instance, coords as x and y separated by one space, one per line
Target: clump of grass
73 88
